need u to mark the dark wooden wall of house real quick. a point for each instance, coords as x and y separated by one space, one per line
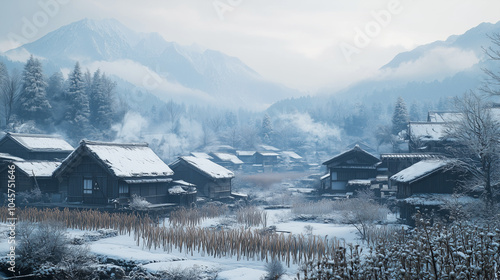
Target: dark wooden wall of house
346 174
89 168
439 182
260 159
152 192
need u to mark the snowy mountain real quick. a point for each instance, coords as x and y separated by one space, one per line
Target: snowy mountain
168 70
429 72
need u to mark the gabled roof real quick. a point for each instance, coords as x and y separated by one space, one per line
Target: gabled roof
431 131
39 142
37 168
353 157
225 157
421 170
291 155
122 160
205 166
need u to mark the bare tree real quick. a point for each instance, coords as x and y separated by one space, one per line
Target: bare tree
492 85
476 142
10 91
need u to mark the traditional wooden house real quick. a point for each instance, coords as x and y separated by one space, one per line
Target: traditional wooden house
35 146
98 173
248 157
266 158
30 175
211 179
227 160
427 176
354 164
427 137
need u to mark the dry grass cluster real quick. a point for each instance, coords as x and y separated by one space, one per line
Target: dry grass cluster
251 216
194 216
241 243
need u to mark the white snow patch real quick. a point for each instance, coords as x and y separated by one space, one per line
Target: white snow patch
241 274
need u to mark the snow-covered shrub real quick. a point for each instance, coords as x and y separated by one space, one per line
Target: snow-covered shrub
274 270
45 251
41 243
197 272
139 203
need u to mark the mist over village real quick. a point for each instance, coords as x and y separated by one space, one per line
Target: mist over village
241 140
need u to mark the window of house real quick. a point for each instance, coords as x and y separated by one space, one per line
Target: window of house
87 186
123 190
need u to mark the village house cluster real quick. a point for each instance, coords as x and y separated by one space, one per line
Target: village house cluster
421 176
111 174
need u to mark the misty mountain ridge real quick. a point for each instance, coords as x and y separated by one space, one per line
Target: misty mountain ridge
168 70
429 72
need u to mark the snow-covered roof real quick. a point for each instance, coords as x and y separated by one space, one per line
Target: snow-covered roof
268 148
206 166
228 157
408 156
123 160
325 176
201 155
39 168
427 131
245 153
420 169
290 154
177 190
356 150
39 142
268 154
184 183
6 156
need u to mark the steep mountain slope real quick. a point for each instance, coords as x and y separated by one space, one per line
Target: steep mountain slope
166 69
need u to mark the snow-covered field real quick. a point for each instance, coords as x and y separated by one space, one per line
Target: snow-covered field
123 249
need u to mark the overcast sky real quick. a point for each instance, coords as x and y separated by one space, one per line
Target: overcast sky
303 44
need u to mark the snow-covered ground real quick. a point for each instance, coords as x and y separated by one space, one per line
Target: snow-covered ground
124 249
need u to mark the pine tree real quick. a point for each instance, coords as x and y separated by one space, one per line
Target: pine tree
266 129
78 112
400 117
101 101
34 104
